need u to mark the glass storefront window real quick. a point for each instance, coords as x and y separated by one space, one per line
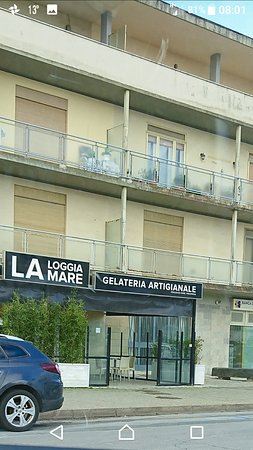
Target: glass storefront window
241 347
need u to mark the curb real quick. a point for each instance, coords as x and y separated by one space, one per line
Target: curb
102 413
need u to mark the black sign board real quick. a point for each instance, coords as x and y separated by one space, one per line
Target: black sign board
45 270
147 286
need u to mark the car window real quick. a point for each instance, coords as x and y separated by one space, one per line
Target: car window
13 351
2 355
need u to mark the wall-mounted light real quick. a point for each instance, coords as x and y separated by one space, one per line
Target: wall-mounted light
217 302
202 156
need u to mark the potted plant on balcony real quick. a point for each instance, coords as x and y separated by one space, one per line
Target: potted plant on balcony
199 369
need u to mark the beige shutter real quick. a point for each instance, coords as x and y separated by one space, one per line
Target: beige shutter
41 109
163 231
39 210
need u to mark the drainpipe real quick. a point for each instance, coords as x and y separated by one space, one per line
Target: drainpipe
125 131
237 198
106 27
124 189
237 162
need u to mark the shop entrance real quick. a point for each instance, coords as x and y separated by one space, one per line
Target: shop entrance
155 348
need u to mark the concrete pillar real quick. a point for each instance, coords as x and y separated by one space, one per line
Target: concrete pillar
237 198
106 26
215 67
238 150
237 163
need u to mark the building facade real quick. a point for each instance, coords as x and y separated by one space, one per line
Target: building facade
126 142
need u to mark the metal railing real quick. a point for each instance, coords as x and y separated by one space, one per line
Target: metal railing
103 255
43 144
71 151
170 174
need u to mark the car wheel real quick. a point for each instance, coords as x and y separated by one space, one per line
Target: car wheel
19 410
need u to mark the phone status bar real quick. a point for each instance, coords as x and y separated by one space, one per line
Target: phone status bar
210 9
33 9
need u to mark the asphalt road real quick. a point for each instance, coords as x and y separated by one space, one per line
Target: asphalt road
232 431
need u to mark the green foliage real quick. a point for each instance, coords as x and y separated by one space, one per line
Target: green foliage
199 342
56 330
154 349
73 330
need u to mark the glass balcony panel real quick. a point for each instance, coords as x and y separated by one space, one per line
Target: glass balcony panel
143 168
110 159
220 270
78 249
79 153
42 244
246 192
168 263
12 136
7 238
112 255
223 187
140 260
195 267
198 182
170 174
44 144
245 272
106 255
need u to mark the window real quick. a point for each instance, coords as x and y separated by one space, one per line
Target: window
248 257
13 351
251 167
2 355
43 110
164 232
166 156
39 108
40 210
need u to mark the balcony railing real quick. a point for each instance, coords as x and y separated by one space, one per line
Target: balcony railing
71 151
43 144
112 256
170 174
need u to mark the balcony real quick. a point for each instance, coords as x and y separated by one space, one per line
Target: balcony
110 256
106 72
45 155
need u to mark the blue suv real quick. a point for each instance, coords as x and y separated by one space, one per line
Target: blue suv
30 383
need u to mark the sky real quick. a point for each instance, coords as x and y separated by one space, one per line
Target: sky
236 15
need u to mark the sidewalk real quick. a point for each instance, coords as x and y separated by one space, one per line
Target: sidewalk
140 398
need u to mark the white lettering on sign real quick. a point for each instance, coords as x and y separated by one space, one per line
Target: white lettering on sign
54 271
34 269
154 285
129 282
62 265
14 271
62 272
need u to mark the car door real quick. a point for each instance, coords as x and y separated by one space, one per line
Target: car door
4 367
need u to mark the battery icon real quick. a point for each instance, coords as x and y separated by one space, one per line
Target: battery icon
211 10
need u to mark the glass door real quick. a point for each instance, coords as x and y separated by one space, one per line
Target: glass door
98 349
174 359
165 161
